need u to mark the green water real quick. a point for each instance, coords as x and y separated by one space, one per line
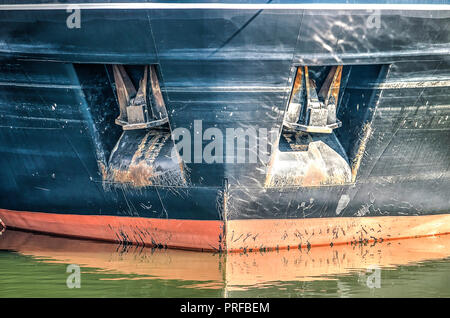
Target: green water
36 266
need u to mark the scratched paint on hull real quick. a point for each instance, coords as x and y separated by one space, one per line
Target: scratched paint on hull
160 233
232 235
266 234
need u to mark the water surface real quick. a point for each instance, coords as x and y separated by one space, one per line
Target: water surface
34 265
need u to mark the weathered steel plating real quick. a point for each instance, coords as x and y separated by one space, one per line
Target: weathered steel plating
143 158
310 161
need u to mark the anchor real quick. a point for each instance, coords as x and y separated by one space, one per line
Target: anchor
139 110
310 111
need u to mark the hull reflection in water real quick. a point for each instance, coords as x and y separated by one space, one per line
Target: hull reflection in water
228 273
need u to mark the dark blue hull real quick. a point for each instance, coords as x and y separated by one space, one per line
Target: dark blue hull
230 68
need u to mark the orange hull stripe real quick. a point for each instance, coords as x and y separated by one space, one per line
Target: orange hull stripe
241 235
182 234
304 233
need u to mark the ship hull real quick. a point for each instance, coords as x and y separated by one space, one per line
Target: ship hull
68 169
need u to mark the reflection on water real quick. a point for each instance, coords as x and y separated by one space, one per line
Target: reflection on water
34 265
